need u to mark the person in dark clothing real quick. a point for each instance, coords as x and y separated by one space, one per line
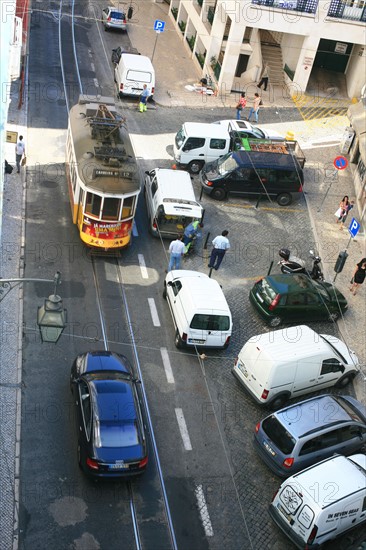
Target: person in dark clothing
358 276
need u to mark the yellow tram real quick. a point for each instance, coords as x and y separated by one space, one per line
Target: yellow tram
102 174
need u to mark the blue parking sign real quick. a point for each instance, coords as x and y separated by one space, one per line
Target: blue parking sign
354 227
159 25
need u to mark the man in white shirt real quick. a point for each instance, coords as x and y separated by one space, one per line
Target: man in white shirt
176 249
220 246
19 152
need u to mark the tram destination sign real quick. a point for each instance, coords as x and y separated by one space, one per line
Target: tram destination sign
101 173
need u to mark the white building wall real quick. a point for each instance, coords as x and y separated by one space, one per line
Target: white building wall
356 71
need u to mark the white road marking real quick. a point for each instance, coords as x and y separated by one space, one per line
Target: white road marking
183 429
92 67
154 312
167 366
202 506
135 233
96 83
144 273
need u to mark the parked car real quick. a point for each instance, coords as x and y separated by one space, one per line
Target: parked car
109 418
300 435
291 298
245 129
114 19
322 502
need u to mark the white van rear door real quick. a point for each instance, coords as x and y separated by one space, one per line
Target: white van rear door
211 330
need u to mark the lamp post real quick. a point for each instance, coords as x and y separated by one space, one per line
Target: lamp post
51 317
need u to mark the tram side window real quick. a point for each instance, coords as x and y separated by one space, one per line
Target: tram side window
111 208
93 203
128 206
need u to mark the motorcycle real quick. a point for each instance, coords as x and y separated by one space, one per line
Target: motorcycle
291 264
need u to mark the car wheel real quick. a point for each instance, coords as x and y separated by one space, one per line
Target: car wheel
195 166
278 402
344 381
164 292
333 316
218 194
79 456
105 28
178 340
284 199
275 322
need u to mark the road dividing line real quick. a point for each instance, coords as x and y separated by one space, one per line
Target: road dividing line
202 506
167 366
144 273
135 233
183 429
154 312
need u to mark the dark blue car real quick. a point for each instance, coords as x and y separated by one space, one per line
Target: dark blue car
109 420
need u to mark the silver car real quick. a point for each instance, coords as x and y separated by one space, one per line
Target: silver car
114 19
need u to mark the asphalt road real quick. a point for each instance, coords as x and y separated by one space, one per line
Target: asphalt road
219 490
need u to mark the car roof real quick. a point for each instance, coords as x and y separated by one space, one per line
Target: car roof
285 284
340 470
206 130
313 415
113 400
269 160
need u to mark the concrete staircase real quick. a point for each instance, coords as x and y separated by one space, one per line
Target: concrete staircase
272 54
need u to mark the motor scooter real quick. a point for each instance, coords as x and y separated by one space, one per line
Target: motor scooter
291 264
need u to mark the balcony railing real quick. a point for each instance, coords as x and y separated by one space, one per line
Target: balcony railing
305 6
341 10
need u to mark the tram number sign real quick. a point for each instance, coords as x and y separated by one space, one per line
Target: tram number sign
98 173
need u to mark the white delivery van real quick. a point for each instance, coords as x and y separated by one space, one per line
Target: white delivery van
286 363
132 72
322 502
170 202
199 309
197 143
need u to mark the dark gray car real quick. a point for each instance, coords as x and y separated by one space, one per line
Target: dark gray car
298 436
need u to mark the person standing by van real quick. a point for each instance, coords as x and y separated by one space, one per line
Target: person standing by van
176 250
143 99
240 106
254 110
19 152
220 245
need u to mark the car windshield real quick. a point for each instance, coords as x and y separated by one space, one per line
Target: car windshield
180 138
226 164
278 434
118 434
353 413
257 133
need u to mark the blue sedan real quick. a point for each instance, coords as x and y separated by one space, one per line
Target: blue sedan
109 419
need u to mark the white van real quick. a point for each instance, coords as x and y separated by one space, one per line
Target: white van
199 309
286 363
322 502
170 202
197 143
132 72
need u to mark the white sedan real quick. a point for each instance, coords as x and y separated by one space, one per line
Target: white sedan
245 129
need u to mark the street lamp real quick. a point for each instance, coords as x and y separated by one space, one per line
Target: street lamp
51 317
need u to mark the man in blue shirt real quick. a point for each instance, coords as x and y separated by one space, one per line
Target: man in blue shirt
143 99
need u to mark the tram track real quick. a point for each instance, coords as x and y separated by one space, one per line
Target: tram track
97 264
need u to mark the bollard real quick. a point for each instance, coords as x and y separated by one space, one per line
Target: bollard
270 268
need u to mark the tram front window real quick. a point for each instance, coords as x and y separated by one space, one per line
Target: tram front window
127 210
111 208
93 204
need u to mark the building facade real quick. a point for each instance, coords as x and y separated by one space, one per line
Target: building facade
232 40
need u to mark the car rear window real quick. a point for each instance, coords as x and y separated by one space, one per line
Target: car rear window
118 434
278 434
138 76
267 292
117 15
210 322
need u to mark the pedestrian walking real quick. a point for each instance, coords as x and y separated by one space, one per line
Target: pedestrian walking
220 246
342 208
348 208
265 77
19 152
255 108
358 276
143 99
242 103
176 250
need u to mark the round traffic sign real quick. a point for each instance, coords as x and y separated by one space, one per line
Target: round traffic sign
340 163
